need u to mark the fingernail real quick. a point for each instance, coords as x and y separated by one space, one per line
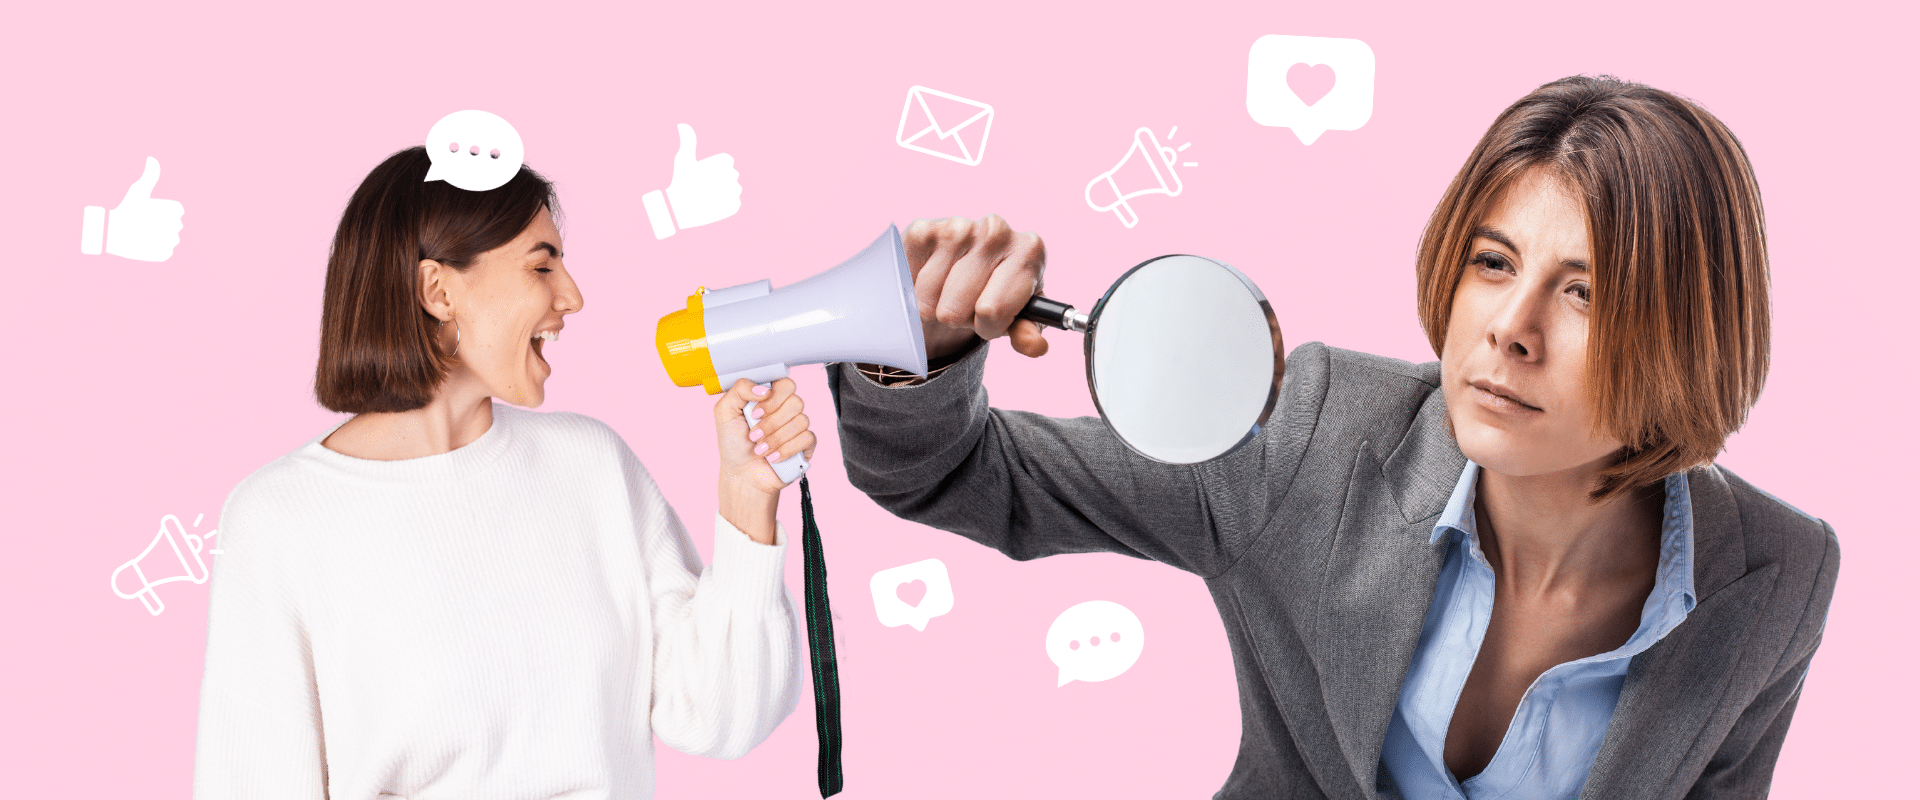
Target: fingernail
759 390
755 435
773 457
760 448
756 413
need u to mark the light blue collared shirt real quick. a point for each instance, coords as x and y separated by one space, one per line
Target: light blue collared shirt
1556 730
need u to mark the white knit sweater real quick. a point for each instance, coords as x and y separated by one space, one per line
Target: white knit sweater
514 619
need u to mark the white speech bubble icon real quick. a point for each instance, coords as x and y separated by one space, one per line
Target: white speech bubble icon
474 150
894 610
1094 641
1276 102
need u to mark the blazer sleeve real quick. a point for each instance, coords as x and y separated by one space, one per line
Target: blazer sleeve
1031 486
1743 765
725 662
259 734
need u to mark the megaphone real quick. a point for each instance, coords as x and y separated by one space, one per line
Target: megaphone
863 310
179 561
1149 170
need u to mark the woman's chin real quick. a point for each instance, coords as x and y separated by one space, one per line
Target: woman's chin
529 391
535 393
538 370
1493 448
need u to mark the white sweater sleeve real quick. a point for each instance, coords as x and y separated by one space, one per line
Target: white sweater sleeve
259 733
725 665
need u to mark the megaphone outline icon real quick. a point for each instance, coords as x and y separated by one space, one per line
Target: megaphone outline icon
1156 158
185 565
863 310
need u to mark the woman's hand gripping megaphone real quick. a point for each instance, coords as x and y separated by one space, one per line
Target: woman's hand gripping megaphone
755 431
973 278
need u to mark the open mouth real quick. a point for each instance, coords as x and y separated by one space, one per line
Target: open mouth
540 340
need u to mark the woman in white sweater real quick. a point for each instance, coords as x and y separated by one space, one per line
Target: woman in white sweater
451 597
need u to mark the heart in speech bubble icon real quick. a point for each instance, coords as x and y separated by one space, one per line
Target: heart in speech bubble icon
911 592
1310 83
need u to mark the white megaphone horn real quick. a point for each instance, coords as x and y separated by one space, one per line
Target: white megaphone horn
863 310
1149 170
178 561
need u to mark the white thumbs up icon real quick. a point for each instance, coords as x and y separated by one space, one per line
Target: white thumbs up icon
703 191
141 227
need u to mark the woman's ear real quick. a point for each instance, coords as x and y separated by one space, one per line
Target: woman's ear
435 286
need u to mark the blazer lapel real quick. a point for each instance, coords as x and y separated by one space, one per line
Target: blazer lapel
1425 464
1378 589
1674 692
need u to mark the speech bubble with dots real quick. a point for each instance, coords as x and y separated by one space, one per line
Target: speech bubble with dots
474 150
1094 641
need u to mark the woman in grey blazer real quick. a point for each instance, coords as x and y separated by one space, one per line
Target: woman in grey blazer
1514 572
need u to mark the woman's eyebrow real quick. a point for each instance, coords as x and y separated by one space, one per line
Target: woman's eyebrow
1486 232
551 250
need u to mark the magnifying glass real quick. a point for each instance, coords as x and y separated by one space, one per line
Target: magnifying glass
1184 357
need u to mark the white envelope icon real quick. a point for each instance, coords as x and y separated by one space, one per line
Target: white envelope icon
944 125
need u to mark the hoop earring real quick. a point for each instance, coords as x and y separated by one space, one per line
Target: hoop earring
456 335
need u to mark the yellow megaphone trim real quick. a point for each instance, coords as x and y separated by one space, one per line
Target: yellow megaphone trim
682 340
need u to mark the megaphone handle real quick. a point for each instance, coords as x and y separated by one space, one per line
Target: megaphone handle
1054 314
789 469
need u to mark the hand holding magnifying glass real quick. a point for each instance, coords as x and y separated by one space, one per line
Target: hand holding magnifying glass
1184 355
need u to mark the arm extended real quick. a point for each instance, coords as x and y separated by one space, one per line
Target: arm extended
1031 486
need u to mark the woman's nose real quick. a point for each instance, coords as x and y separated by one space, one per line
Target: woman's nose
568 299
1515 327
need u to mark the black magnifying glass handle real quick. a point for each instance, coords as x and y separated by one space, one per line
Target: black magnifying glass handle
1054 314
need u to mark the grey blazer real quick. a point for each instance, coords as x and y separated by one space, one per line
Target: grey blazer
1313 540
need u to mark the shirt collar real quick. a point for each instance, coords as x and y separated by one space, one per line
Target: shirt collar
1676 541
1673 579
1458 515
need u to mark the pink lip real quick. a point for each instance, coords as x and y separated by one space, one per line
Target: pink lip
1495 397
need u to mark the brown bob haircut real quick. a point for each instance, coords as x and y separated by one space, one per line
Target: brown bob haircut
1678 332
377 343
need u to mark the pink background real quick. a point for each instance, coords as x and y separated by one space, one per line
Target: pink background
138 390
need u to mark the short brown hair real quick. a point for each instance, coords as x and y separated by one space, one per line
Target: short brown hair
1678 336
377 343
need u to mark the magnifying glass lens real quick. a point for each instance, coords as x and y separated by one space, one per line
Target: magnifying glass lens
1184 357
